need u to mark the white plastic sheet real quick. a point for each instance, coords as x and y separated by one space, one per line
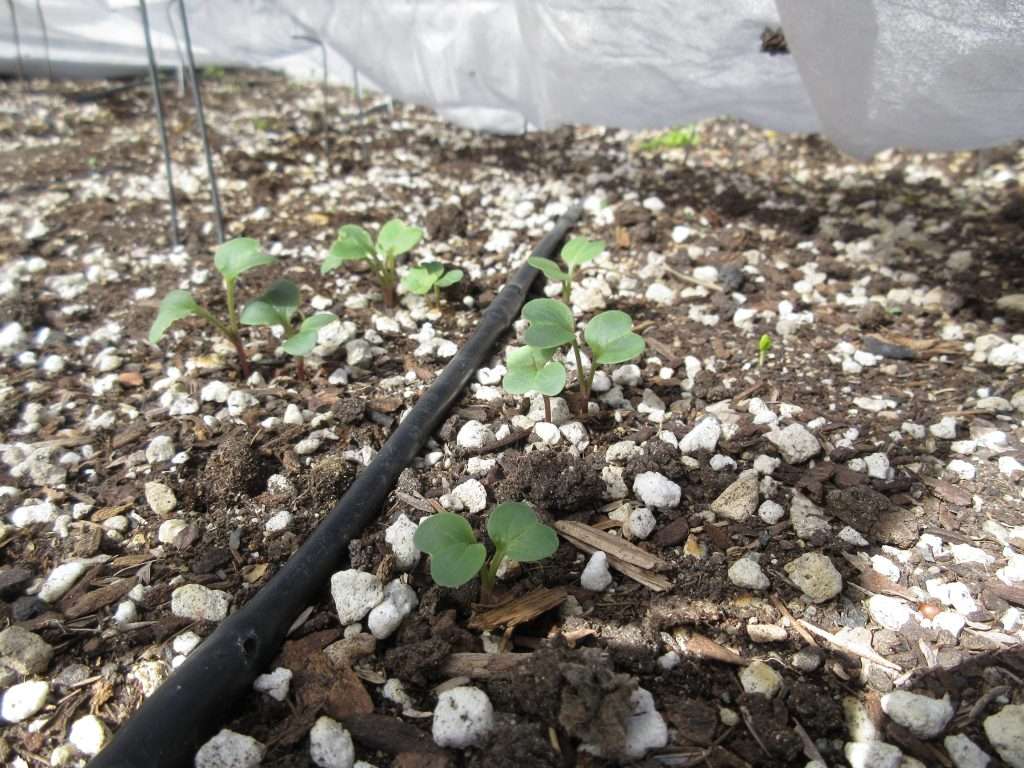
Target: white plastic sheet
924 74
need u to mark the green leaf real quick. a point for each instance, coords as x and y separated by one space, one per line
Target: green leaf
764 343
579 251
275 307
421 279
239 255
550 269
396 238
353 244
609 336
175 306
455 554
532 370
515 529
551 323
451 277
302 343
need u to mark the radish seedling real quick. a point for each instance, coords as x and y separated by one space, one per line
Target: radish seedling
430 277
456 556
763 345
532 370
609 336
232 259
575 254
278 306
355 244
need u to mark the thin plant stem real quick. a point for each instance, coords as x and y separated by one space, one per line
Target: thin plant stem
300 368
581 375
229 288
547 409
437 296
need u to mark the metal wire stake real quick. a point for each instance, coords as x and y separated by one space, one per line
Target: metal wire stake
46 38
325 128
200 117
177 48
17 38
154 78
362 115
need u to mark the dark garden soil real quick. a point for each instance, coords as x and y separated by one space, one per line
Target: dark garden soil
879 284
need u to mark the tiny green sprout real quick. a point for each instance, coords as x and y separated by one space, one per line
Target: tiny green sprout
609 336
684 137
532 370
763 345
575 254
355 244
232 259
456 556
430 277
278 306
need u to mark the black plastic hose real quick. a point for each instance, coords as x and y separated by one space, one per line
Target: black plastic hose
193 702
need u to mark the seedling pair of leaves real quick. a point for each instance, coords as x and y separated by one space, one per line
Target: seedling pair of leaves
609 336
574 254
456 556
430 277
355 244
278 306
232 259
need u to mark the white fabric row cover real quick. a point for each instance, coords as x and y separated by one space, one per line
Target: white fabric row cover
869 74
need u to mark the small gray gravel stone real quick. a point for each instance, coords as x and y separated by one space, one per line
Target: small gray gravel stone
1005 732
160 498
767 633
815 576
889 612
965 753
746 573
739 500
25 652
194 601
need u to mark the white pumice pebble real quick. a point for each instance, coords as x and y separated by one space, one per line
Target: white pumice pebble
399 536
330 744
656 490
355 594
275 683
596 577
230 750
88 735
463 717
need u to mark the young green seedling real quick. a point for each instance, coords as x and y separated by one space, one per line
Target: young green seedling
430 277
532 370
575 254
278 306
609 336
763 345
355 244
456 556
232 259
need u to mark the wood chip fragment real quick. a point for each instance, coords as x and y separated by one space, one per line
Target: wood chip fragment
701 647
519 610
855 649
482 666
91 602
628 559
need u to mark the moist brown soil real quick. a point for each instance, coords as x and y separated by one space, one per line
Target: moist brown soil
79 168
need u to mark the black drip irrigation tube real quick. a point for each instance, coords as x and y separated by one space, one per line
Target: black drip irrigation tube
196 699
